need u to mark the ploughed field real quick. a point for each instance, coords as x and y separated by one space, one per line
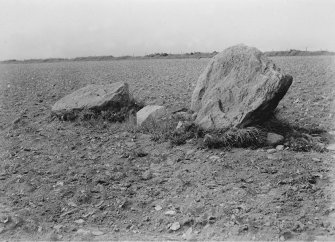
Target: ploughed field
88 180
168 82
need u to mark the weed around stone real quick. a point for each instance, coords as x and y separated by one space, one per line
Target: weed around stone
190 131
115 114
233 137
298 138
165 130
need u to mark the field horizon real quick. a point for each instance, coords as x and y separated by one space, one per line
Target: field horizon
164 55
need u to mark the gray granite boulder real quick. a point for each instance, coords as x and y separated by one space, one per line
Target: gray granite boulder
240 87
94 97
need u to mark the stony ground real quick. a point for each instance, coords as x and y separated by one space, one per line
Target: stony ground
101 181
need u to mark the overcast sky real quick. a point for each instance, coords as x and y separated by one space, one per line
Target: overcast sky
71 28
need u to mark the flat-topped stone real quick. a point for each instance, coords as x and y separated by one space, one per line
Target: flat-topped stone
94 97
150 113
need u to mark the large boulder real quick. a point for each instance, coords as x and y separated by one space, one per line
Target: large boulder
239 88
150 113
94 97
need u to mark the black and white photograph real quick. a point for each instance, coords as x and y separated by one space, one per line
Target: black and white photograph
167 120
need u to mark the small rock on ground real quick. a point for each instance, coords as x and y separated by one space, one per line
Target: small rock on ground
83 232
147 175
158 207
175 226
170 213
97 232
150 113
188 234
271 151
331 147
274 139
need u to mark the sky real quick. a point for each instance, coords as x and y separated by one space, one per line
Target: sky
72 28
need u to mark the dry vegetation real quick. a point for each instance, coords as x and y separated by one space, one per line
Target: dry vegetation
66 179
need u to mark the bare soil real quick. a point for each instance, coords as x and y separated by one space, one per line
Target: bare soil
100 181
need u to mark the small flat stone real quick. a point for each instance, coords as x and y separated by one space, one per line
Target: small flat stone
97 232
331 147
149 114
189 152
274 139
158 207
170 213
214 157
316 159
179 125
72 204
332 132
83 232
175 226
39 229
79 221
280 147
271 151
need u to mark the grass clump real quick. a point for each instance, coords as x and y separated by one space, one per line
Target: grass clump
233 137
189 131
115 113
165 130
160 130
296 138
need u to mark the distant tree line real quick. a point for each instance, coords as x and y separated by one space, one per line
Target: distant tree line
198 55
294 52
